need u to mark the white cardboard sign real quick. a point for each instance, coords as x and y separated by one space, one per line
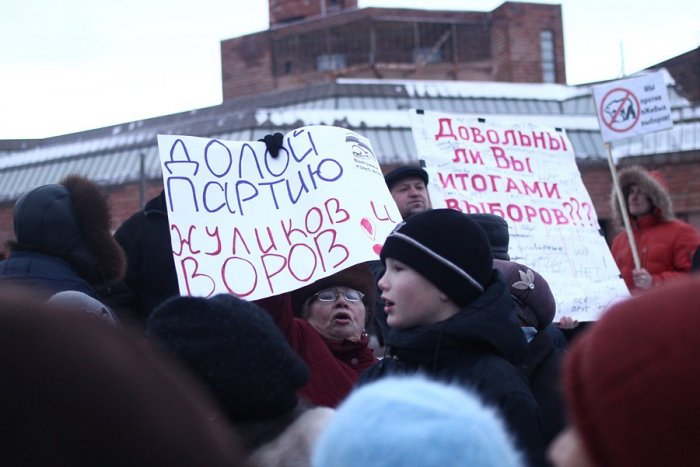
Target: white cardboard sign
526 174
244 223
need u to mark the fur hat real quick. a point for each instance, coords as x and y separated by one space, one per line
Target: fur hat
358 277
496 229
404 171
447 248
533 298
412 421
71 220
236 349
632 381
651 183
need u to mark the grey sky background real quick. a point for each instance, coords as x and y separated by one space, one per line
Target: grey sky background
71 65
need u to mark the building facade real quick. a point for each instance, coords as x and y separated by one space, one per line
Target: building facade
124 158
317 42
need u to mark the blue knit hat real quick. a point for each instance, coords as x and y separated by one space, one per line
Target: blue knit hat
411 421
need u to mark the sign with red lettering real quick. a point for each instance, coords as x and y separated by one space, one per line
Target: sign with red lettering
245 223
526 174
633 106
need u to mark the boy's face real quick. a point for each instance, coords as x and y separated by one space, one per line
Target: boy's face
410 299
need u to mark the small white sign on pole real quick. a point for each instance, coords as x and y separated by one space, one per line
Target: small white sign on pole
633 106
526 174
245 223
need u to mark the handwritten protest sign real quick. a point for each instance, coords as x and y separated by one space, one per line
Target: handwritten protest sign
245 223
526 174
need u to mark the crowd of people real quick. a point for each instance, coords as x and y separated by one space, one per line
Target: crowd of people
442 352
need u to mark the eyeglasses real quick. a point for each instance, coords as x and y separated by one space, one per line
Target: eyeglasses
331 295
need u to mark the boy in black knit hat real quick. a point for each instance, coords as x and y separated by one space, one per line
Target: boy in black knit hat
451 316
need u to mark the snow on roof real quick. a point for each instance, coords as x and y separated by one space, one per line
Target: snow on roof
479 89
400 118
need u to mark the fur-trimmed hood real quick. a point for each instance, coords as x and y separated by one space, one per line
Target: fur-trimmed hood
70 220
652 184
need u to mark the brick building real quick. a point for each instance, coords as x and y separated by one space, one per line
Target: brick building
124 158
685 69
316 42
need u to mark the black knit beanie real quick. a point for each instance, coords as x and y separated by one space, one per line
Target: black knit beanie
236 349
447 248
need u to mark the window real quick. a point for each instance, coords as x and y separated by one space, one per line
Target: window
425 55
330 62
549 72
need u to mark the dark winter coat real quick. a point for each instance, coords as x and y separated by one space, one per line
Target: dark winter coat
541 367
335 366
63 240
43 273
665 245
478 347
150 274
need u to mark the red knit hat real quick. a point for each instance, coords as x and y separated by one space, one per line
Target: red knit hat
632 381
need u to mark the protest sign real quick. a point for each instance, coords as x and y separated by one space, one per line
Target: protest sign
526 174
626 108
633 106
245 223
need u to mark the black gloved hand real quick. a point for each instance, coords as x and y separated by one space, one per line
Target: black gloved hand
273 143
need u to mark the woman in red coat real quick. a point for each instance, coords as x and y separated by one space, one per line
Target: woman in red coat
325 323
665 244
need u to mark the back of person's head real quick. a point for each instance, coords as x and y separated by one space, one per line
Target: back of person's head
358 277
404 171
448 249
534 302
74 301
77 391
236 349
70 220
496 229
412 421
632 380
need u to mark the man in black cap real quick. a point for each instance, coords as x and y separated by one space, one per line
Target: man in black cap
408 186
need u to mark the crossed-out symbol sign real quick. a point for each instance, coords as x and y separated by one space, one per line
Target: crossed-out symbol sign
620 110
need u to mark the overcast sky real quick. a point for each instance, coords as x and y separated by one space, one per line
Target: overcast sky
73 65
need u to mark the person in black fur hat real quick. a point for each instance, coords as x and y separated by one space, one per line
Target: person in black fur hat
63 240
236 349
451 317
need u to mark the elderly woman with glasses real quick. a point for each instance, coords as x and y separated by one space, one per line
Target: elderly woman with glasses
326 324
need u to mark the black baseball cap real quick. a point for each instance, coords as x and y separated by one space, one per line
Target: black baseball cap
404 171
